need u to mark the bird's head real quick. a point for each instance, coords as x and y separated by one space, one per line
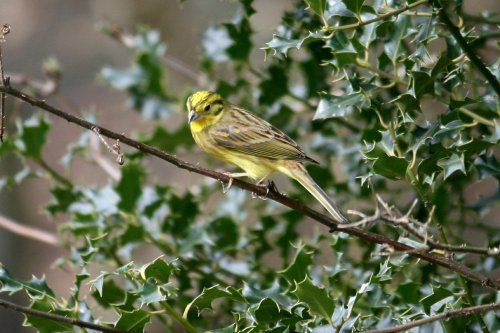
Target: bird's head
205 108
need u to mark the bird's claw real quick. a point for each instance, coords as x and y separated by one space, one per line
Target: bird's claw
225 188
271 186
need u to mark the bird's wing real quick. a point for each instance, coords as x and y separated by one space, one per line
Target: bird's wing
244 132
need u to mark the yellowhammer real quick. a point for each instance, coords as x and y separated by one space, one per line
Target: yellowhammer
237 136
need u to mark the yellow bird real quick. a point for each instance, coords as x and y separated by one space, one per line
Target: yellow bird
235 135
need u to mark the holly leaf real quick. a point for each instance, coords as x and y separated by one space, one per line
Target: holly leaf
317 6
316 298
421 84
487 166
150 293
158 270
133 321
281 45
32 136
36 287
8 283
452 164
208 295
129 186
297 269
267 311
45 325
275 86
354 5
391 167
247 6
240 33
339 106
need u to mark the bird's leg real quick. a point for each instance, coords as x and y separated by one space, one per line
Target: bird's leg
269 187
231 176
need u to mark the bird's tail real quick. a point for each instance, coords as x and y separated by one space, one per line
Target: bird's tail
298 172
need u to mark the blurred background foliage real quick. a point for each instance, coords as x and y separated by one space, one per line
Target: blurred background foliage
387 101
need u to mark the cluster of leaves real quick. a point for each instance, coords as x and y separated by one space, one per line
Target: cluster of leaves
412 121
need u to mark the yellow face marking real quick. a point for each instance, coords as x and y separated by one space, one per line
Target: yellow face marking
207 106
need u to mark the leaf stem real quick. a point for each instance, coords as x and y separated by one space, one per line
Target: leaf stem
51 171
476 117
184 322
366 65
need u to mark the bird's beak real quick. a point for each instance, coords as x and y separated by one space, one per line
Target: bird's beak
192 116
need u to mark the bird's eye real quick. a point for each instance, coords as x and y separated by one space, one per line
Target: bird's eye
207 107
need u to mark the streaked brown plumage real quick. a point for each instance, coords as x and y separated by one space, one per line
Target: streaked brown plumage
237 136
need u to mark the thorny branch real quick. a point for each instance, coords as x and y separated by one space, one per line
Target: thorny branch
444 315
3 32
436 259
390 214
58 318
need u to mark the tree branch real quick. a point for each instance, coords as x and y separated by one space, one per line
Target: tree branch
455 32
444 315
390 214
29 232
4 31
58 318
261 191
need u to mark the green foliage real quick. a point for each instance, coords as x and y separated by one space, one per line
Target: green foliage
143 80
389 111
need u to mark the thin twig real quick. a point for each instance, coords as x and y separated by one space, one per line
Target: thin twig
455 32
366 65
29 232
52 172
444 315
376 19
4 31
261 191
58 318
385 212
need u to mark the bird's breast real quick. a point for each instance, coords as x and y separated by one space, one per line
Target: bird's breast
256 167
